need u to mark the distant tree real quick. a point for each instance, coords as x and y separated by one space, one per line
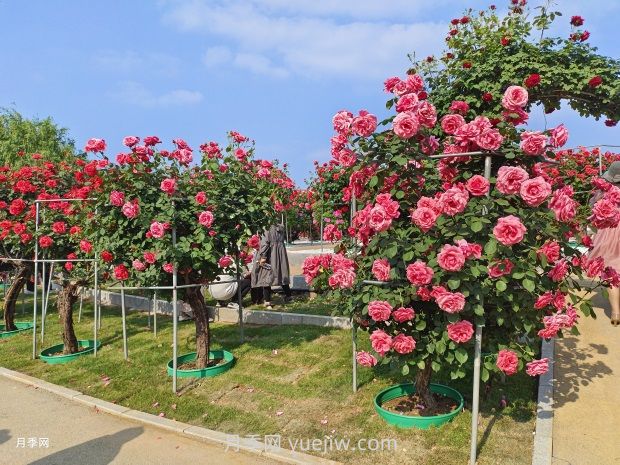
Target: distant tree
20 136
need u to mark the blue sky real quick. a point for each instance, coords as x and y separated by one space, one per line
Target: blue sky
275 70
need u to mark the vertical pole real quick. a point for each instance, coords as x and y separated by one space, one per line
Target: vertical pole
600 162
46 299
81 305
239 300
124 317
96 314
155 308
148 315
23 304
354 345
175 315
36 273
43 309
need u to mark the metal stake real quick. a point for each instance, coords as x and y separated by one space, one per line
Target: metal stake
36 273
46 299
354 344
476 397
125 352
175 314
43 309
239 301
155 308
81 305
96 306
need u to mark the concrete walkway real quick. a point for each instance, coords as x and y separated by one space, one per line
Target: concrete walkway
586 426
77 435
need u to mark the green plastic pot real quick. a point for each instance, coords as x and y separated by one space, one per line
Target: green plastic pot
22 326
56 359
406 421
208 372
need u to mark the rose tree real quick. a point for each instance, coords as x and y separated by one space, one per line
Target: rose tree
437 248
216 204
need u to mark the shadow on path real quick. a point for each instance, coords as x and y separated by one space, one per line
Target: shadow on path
99 451
4 435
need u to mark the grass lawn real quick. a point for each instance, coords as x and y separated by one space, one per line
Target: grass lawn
301 304
293 381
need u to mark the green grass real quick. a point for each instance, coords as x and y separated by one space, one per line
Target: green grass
301 304
309 380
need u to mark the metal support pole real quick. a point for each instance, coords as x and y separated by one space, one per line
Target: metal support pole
155 308
36 273
46 299
124 317
239 301
354 345
175 314
81 305
148 315
43 309
96 314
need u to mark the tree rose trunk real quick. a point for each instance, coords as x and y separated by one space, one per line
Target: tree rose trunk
10 298
67 296
201 319
423 388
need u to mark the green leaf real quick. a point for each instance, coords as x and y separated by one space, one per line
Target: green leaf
405 370
461 355
490 247
500 286
476 226
529 285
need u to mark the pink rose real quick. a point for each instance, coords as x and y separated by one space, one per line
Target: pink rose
537 367
403 344
453 201
507 361
95 145
121 272
86 246
342 122
461 331
427 114
407 102
206 218
149 257
225 261
201 198
157 229
403 314
451 302
510 178
535 191
551 251
365 359
450 123
419 274
451 258
533 142
509 230
381 342
469 250
117 198
365 124
130 141
490 139
477 185
563 205
343 278
559 136
379 310
459 106
254 241
424 218
559 271
138 265
331 233
379 219
406 125
515 98
500 268
168 267
168 186
131 209
381 269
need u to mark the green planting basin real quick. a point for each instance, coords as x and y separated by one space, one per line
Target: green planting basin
22 326
209 372
47 357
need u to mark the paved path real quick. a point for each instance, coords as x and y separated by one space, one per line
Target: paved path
79 436
586 426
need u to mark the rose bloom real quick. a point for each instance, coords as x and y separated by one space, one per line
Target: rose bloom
46 241
59 227
254 241
450 123
117 198
225 261
532 80
206 218
201 198
403 344
107 256
424 218
403 314
551 251
86 246
407 102
490 139
510 178
130 141
537 367
379 219
559 136
342 122
459 106
559 271
451 302
149 257
533 142
406 125
131 209
507 361
509 230
461 331
381 269
379 310
121 272
365 359
419 273
343 278
500 268
157 229
595 81
514 98
427 114
453 201
477 185
168 267
138 265
365 124
451 258
535 191
168 186
150 141
95 145
381 342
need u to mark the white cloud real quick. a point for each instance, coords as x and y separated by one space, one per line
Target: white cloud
129 61
268 41
216 56
136 94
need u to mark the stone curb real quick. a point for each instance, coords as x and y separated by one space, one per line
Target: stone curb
543 438
184 429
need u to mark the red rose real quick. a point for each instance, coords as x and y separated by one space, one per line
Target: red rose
507 361
576 20
121 272
487 96
595 81
532 80
505 41
467 64
107 256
